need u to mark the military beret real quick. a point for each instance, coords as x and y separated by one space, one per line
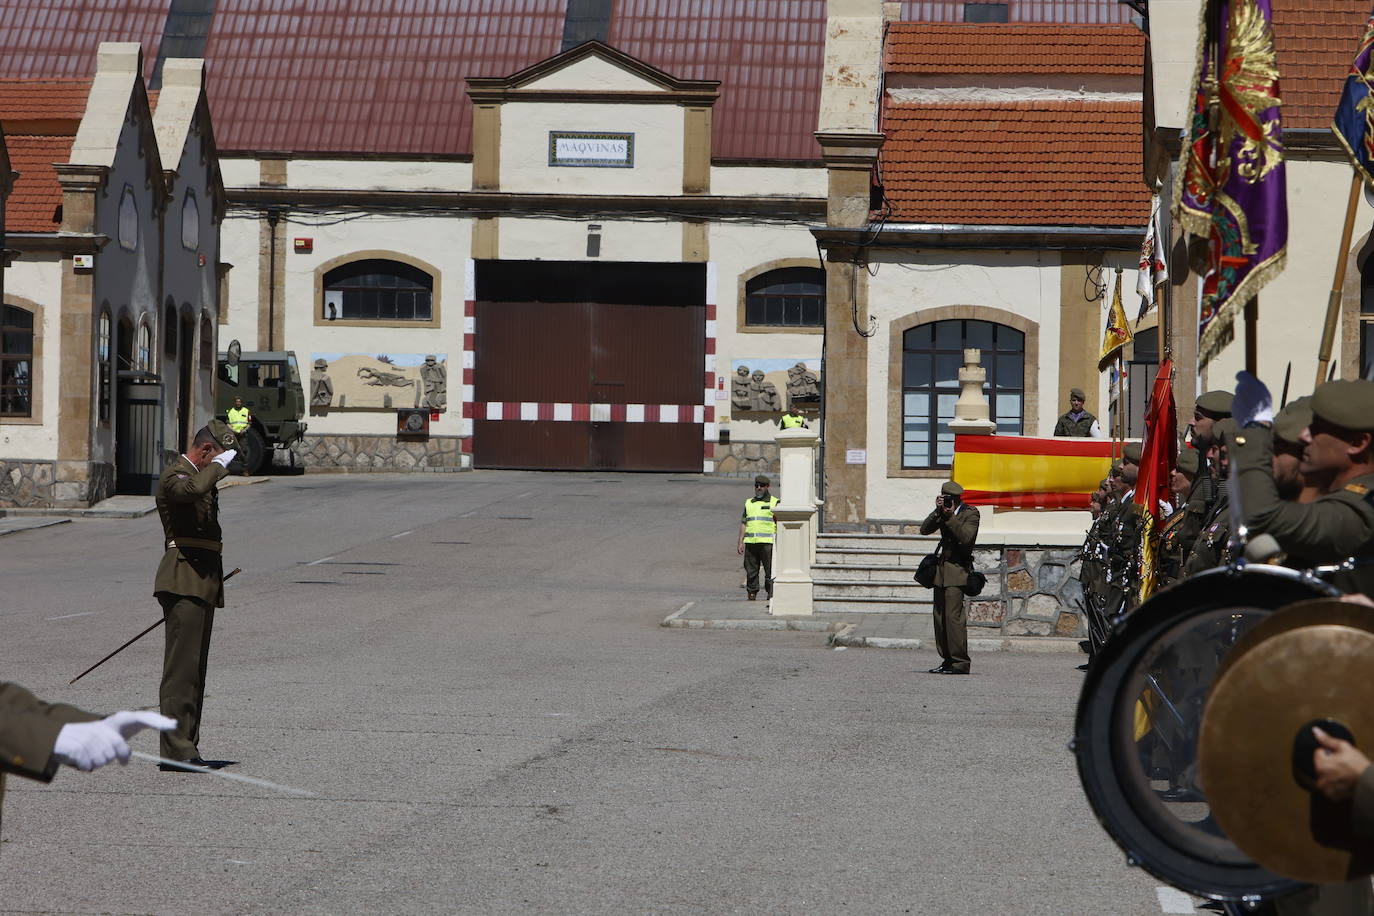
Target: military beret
1188 461
1077 393
223 434
1293 419
1225 430
1131 452
1215 404
1347 404
762 479
950 488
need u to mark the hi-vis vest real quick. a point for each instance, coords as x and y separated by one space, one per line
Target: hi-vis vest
238 419
759 526
790 421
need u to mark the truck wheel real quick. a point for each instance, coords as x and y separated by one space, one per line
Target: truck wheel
252 451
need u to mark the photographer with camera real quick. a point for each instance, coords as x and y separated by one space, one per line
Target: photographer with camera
958 527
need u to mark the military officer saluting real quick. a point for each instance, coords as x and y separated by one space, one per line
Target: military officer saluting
1338 460
190 581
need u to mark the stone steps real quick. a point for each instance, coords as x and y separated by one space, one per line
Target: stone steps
862 572
859 573
864 556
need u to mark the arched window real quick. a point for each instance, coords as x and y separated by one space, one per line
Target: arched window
143 349
102 353
789 297
378 290
932 355
16 362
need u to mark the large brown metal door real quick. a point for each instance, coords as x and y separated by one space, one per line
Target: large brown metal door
588 384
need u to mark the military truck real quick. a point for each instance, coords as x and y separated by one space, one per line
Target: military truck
270 384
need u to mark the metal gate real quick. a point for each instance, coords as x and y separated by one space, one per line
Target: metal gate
138 419
589 366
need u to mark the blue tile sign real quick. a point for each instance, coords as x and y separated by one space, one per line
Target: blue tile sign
591 150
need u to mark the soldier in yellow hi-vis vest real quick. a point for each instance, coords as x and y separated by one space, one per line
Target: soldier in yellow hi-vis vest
793 419
756 534
238 416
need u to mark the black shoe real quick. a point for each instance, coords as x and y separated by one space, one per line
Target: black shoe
954 671
1085 646
1179 794
196 762
753 596
940 670
1085 666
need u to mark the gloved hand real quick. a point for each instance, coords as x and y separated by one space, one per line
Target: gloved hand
1252 403
87 745
226 456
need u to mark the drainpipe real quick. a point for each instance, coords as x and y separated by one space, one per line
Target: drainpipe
273 217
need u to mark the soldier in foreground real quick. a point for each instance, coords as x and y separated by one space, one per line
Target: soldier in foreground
190 582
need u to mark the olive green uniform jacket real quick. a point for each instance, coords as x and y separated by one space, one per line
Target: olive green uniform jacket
188 504
28 731
1209 548
1330 529
1081 428
958 534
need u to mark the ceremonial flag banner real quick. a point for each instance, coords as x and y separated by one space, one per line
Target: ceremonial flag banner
1158 456
1354 123
1154 272
1118 332
1023 472
1232 189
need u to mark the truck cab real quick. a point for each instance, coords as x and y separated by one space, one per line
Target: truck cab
270 384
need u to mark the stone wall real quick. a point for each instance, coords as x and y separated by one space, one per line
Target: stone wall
745 459
1031 591
381 453
26 483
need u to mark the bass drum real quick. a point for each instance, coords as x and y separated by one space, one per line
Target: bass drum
1140 715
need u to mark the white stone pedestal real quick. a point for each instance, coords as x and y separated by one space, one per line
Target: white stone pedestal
794 547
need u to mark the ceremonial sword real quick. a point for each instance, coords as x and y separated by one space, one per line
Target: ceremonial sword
159 622
251 780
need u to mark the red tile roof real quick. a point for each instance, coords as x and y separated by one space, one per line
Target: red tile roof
1022 11
768 57
386 76
43 100
1066 163
1316 42
32 205
1044 48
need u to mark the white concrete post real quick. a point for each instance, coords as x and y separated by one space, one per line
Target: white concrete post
795 517
971 410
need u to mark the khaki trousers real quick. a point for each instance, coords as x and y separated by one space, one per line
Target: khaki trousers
182 695
951 631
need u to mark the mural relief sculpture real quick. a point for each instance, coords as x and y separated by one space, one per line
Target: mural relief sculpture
758 385
321 388
763 395
435 379
802 384
381 382
739 390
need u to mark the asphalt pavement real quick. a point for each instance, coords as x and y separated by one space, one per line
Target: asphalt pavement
471 674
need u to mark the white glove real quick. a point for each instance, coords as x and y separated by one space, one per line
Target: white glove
226 456
1252 403
87 745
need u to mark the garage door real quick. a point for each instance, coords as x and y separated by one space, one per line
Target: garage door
589 366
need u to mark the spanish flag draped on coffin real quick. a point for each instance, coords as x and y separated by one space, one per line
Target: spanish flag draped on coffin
1023 472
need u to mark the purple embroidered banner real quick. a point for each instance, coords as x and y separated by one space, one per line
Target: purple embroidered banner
1354 121
1232 189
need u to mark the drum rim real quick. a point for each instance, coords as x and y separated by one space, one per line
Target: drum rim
1114 808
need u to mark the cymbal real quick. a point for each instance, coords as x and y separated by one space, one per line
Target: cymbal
1310 661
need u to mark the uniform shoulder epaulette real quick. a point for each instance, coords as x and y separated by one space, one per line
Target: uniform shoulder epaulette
1358 489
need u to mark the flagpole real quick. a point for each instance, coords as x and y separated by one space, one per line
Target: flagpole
1333 302
1252 336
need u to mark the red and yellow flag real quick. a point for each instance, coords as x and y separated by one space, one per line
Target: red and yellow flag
1024 472
1158 455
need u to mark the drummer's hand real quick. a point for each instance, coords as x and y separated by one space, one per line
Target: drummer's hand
1339 766
1358 599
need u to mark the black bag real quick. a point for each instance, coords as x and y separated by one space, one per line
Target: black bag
925 573
974 585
